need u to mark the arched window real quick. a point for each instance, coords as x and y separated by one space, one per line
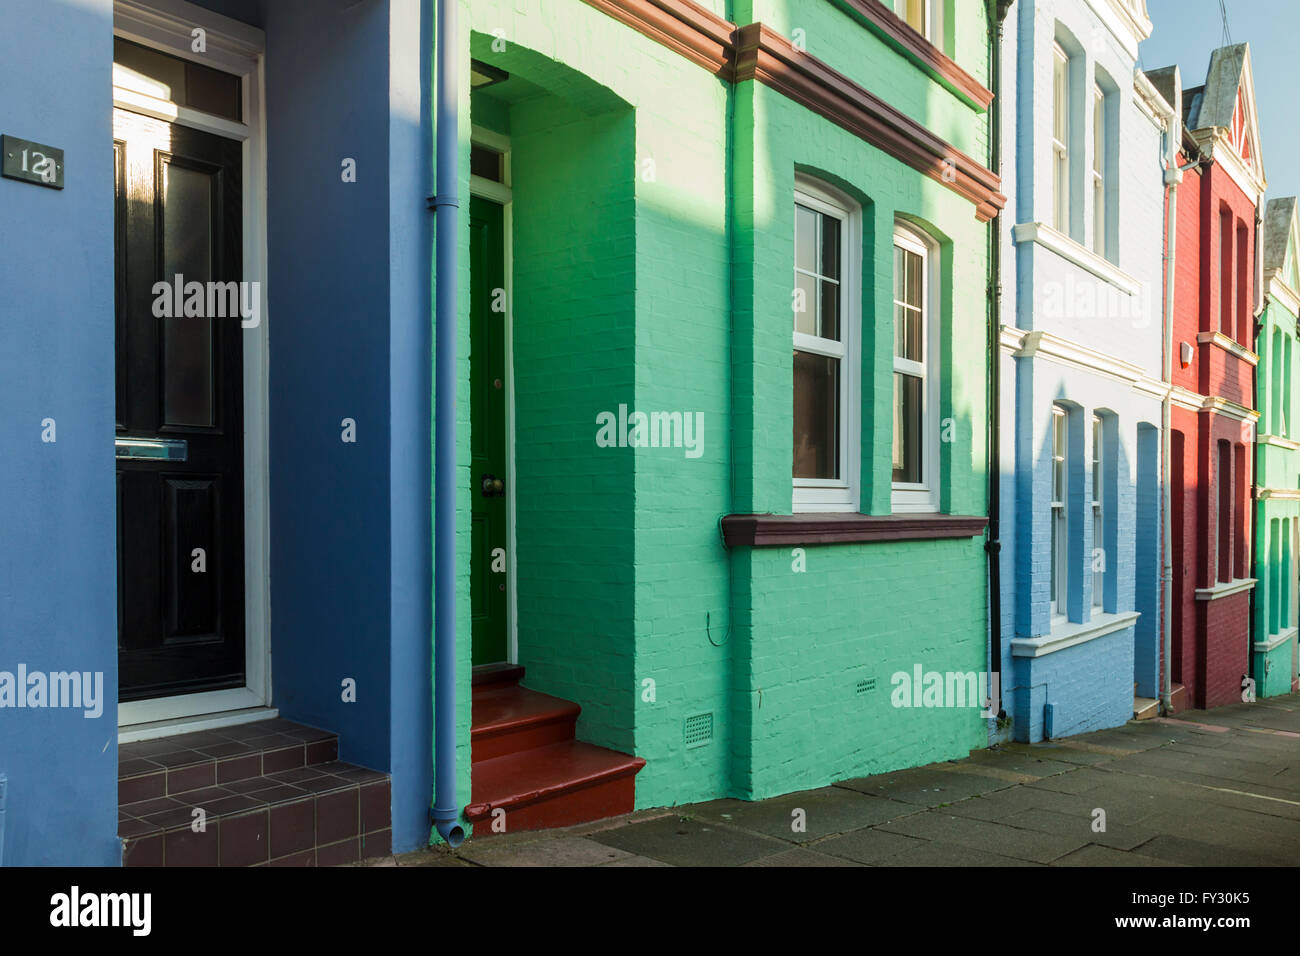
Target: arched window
827 250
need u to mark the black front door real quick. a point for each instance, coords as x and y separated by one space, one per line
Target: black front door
180 410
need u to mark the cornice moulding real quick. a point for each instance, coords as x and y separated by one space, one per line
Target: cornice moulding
757 52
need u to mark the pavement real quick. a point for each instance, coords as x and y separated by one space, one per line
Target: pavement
1205 788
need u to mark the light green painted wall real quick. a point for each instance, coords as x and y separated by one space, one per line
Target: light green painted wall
1277 467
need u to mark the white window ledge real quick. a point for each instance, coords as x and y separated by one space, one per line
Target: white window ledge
1068 249
1275 640
1224 588
1072 634
1279 441
1228 344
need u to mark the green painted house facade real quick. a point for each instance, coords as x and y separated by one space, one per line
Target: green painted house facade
1277 493
726 267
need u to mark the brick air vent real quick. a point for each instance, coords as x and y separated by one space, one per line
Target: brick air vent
866 686
698 730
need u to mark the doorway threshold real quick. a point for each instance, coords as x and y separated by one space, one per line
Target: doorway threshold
185 725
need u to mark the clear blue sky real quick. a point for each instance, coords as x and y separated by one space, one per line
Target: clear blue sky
1186 32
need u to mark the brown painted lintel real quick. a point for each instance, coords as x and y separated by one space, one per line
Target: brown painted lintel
756 52
774 530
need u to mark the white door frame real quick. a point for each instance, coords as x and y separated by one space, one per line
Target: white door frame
502 194
234 47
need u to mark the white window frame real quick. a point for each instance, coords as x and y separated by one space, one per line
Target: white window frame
1059 516
1098 511
1099 170
922 496
1061 147
836 494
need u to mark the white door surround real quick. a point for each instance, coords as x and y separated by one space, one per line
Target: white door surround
233 47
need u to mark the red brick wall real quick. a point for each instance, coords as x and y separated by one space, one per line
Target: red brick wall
1211 641
1226 649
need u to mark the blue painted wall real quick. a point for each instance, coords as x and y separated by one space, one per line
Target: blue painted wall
328 288
58 577
1101 355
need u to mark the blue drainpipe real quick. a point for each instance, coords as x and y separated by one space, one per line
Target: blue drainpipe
446 812
4 782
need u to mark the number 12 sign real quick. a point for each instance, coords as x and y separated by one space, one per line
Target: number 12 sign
31 162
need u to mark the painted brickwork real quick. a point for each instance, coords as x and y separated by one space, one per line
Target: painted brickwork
1277 459
670 299
1082 332
1215 304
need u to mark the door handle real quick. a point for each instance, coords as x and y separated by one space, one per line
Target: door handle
492 487
152 449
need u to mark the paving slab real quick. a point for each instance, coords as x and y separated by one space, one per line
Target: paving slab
682 842
869 845
925 786
1096 855
994 838
1077 780
1006 803
637 861
561 851
800 857
1119 836
433 856
827 811
1197 853
1037 763
934 854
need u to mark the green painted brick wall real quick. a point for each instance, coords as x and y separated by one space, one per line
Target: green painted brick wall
1276 467
653 243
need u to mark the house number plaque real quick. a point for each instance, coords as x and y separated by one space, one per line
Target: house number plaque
31 162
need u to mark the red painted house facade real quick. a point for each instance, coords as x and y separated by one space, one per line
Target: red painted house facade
1216 298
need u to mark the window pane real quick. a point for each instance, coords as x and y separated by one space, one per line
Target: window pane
188 360
181 81
1058 457
1098 130
907 428
484 162
1054 572
816 416
907 334
1096 461
806 320
830 315
805 238
912 281
830 257
914 14
1059 97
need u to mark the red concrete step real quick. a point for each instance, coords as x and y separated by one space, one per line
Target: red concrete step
508 719
553 786
502 673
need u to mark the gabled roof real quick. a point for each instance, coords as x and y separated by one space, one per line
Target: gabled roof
1221 113
1166 80
1281 246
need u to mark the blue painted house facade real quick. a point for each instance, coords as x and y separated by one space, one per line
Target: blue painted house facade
335 528
1081 367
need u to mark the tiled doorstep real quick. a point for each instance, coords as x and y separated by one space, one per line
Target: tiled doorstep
323 815
150 769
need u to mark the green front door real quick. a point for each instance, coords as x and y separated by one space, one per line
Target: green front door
489 564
